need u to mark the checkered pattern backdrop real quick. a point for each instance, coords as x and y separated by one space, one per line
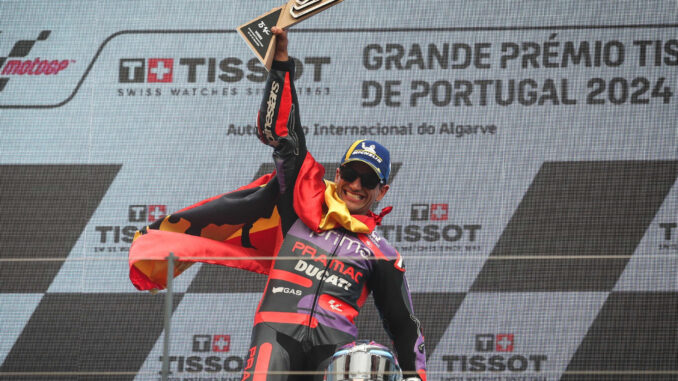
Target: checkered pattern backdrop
535 162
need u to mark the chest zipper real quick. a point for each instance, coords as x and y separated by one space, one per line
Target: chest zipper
306 344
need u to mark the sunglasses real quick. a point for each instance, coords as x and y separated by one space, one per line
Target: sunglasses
368 180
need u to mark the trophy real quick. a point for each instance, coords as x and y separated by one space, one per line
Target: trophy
257 33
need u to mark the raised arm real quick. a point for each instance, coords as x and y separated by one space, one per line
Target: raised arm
279 126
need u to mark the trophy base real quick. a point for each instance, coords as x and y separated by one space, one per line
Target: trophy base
258 36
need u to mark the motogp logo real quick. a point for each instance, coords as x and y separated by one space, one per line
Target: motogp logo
15 63
304 7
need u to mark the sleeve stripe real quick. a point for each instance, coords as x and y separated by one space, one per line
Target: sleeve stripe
284 109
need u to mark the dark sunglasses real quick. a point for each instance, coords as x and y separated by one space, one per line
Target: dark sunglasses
368 180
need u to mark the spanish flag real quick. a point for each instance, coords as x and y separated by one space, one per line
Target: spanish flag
240 229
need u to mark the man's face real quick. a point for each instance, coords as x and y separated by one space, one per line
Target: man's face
358 198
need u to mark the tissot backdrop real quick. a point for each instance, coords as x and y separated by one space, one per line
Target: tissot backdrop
535 152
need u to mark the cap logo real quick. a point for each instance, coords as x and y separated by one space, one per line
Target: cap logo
369 148
368 151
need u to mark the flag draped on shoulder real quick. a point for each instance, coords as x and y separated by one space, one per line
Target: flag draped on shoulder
240 229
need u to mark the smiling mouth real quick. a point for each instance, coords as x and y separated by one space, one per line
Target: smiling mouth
353 196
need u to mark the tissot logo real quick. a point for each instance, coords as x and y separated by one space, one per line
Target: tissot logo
160 69
494 353
146 213
187 70
494 343
209 356
206 69
425 212
116 238
211 343
431 232
16 63
133 70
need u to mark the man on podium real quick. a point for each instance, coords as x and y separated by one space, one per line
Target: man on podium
310 303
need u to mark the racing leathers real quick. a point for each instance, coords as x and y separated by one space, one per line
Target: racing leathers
321 277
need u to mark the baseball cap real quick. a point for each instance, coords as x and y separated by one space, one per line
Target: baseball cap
371 153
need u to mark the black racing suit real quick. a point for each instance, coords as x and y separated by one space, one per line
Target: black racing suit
319 281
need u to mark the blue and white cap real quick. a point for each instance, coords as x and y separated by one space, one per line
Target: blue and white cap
371 153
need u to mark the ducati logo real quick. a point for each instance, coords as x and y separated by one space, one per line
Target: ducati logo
304 7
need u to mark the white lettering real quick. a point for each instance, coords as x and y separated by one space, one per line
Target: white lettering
344 283
322 275
272 98
350 242
301 266
332 279
285 290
